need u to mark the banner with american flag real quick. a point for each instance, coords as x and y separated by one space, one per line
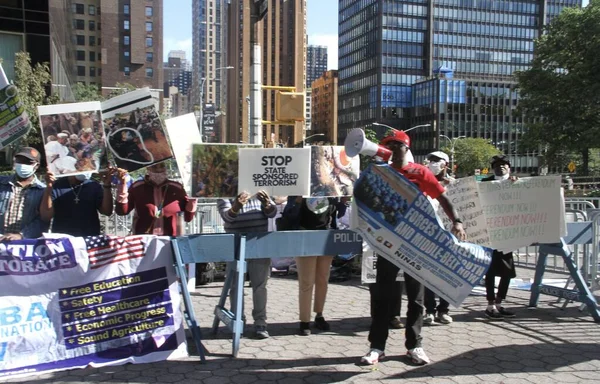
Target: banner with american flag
72 302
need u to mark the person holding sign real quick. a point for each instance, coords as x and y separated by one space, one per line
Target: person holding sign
244 214
503 264
20 198
156 201
385 284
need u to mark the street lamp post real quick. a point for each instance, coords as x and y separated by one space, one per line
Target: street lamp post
452 144
202 96
406 130
306 138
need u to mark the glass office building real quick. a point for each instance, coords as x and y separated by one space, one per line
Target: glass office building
449 63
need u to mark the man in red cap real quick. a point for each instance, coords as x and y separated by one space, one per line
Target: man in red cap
383 296
20 198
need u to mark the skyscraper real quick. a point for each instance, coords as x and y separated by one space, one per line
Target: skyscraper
282 36
316 63
447 63
324 106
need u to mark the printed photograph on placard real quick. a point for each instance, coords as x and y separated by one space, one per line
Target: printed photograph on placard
137 138
332 172
73 137
183 133
215 170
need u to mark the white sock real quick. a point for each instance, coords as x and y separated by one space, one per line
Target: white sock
491 307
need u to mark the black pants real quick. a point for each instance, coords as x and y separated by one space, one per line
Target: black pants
396 304
502 287
430 305
383 298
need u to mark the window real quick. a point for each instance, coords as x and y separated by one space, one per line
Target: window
92 40
149 57
92 25
125 40
149 72
81 55
80 40
92 56
126 25
99 59
80 70
126 9
126 70
148 11
99 26
148 26
148 41
79 9
92 71
79 24
91 10
126 54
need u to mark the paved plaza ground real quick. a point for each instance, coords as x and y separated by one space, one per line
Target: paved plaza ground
543 345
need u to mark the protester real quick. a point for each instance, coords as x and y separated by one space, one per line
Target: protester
75 201
57 154
399 142
396 311
313 271
438 165
156 200
20 198
503 264
244 214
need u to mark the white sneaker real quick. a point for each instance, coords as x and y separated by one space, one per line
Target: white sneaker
428 319
418 356
444 318
373 357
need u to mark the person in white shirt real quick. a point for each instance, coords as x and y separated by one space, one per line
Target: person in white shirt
57 154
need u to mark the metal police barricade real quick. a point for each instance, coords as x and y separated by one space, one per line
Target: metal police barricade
200 249
580 233
271 245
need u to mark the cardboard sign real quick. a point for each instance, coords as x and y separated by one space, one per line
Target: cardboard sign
135 134
333 174
279 171
73 137
183 133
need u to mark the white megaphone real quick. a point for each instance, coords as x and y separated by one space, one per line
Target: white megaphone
356 143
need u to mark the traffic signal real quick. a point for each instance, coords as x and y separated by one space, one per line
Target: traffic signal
289 106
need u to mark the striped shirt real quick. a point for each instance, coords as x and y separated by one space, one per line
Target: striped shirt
251 218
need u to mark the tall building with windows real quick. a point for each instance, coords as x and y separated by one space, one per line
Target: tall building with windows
324 106
175 74
316 63
447 63
131 43
87 30
281 34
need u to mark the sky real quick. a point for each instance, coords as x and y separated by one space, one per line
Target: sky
322 20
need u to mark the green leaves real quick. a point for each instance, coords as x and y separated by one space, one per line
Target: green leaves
471 154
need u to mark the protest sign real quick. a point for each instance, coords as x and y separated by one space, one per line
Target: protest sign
523 212
399 223
369 266
14 121
95 301
136 138
183 133
279 171
332 172
73 137
215 170
464 195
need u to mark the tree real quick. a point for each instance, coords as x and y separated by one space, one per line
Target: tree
471 154
84 92
33 83
121 88
560 93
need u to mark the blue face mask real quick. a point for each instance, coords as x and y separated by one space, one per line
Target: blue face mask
84 176
24 171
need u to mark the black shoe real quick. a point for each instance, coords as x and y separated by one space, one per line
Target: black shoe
395 323
321 324
493 315
304 328
505 313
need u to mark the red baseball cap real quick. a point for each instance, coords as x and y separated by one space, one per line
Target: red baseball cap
395 135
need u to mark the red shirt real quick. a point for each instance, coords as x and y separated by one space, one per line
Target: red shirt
423 178
141 197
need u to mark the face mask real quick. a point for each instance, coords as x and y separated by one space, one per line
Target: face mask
435 167
157 178
24 171
84 176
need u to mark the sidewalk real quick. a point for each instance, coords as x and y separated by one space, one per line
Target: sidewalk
544 345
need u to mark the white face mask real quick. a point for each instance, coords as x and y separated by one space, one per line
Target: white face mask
435 167
24 171
157 177
84 176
